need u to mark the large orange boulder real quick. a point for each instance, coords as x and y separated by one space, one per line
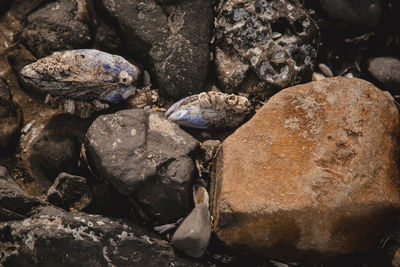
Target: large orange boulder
312 175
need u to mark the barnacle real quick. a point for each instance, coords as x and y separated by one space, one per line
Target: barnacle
209 110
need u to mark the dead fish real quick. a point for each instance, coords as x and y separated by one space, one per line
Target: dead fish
87 78
209 110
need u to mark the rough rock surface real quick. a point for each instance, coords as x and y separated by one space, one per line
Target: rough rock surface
312 175
387 71
276 40
362 12
60 25
70 192
53 237
144 156
171 39
49 147
14 203
10 116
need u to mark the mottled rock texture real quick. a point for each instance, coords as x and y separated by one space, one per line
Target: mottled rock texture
146 157
52 237
312 175
170 37
59 25
276 40
10 117
14 203
70 192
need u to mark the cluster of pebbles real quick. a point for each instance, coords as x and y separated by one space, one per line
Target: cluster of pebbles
103 116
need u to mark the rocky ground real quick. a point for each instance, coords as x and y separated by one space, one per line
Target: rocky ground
95 172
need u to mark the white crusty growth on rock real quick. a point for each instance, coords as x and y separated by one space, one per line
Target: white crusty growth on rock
210 110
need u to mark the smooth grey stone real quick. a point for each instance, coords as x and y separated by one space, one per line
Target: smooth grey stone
193 235
387 71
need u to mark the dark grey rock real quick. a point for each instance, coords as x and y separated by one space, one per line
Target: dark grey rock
209 148
70 192
193 235
14 203
10 117
145 157
171 40
58 26
53 153
5 5
52 146
387 71
276 40
362 12
53 237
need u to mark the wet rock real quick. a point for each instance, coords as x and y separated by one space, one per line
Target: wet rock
19 57
81 81
52 153
362 12
53 236
15 204
387 71
58 26
276 40
193 235
50 147
70 192
171 40
209 110
10 117
146 157
311 173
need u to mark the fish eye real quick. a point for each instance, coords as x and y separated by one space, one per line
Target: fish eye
125 78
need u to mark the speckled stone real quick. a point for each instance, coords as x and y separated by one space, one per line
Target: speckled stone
312 175
386 70
276 40
147 157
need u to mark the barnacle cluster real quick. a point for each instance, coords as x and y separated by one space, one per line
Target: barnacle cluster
81 81
210 110
277 40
